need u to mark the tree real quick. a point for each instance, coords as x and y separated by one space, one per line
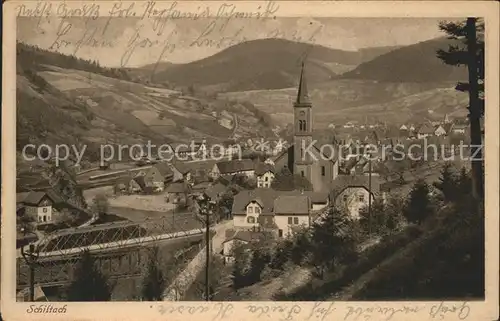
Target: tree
332 241
25 222
469 51
100 204
447 183
301 245
374 221
154 282
464 184
418 207
88 283
241 265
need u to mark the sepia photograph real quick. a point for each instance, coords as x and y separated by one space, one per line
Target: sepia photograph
224 152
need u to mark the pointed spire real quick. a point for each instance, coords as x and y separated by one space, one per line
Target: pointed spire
302 94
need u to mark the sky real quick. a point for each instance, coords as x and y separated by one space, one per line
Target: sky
133 42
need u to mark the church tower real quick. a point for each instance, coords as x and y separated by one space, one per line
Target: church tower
303 130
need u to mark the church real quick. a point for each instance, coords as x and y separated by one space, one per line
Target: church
319 165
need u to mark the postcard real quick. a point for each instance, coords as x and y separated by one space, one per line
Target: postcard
281 160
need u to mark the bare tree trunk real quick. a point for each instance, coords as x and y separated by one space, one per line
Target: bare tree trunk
474 112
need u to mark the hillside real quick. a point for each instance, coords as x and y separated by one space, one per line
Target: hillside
338 101
58 103
263 64
413 63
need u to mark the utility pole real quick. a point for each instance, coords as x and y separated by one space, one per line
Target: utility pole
207 247
31 259
370 195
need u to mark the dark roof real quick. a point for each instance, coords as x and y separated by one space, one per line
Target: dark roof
178 188
201 186
302 93
183 168
426 129
164 169
344 181
140 181
246 236
215 190
262 168
237 165
288 204
35 197
328 153
267 196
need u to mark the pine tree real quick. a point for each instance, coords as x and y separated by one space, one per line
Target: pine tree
332 241
378 219
88 284
470 52
447 183
418 206
154 282
464 183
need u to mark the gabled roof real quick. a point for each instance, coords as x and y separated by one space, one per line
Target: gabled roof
345 181
35 197
237 165
178 188
245 236
201 186
140 181
216 190
262 168
181 167
426 129
287 204
164 169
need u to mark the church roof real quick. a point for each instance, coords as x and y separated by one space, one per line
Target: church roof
303 94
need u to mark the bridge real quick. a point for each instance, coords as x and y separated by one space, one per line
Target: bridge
121 249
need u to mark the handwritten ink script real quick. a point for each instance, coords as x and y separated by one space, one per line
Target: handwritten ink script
214 30
318 311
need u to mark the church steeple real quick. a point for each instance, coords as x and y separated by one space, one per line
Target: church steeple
302 94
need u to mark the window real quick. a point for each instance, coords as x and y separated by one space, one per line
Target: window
45 218
45 210
302 173
250 209
257 210
361 198
296 220
251 219
304 128
345 198
290 222
323 171
301 153
280 233
266 178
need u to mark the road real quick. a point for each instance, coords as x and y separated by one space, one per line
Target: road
188 275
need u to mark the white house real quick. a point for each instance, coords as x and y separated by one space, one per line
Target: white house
39 205
403 127
265 175
235 238
353 192
291 212
233 167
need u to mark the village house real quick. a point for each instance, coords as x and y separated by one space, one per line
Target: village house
353 191
236 166
319 164
259 208
199 189
216 191
152 179
425 130
177 193
39 205
265 175
181 172
403 127
443 129
291 212
459 128
238 238
44 206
